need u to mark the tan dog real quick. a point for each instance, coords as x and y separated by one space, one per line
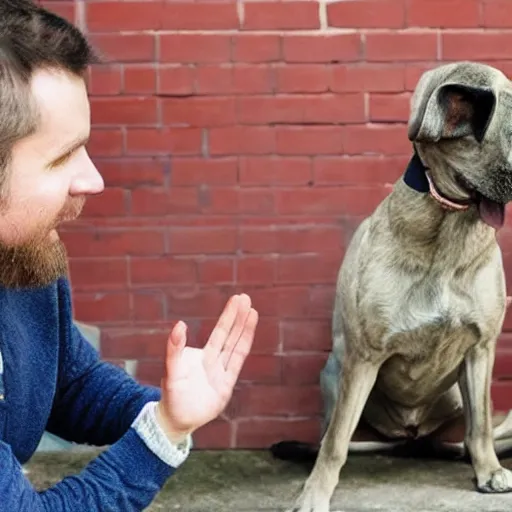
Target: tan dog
420 295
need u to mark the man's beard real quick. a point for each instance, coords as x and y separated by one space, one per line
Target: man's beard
41 260
32 265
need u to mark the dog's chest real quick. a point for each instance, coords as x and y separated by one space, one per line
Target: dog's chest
428 305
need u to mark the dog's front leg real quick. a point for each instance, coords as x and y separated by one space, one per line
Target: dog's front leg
358 378
475 384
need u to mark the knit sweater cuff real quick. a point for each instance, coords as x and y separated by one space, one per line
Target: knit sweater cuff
147 427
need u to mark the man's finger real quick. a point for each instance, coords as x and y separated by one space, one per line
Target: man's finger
241 349
175 345
222 328
237 329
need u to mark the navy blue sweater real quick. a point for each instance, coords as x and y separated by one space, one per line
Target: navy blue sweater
53 380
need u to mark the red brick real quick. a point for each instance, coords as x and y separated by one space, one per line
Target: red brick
389 107
246 140
165 141
413 74
110 203
148 306
476 46
325 108
201 15
98 273
158 201
343 200
266 339
500 395
176 80
236 201
258 240
303 78
113 242
304 238
256 270
496 14
66 10
291 15
253 79
277 400
309 140
367 77
134 343
308 268
112 16
131 173
102 307
105 142
401 46
213 79
261 433
139 79
264 369
257 170
256 48
150 372
195 302
216 270
321 301
281 301
203 241
125 47
162 270
302 369
366 14
308 335
124 110
204 171
316 48
217 434
503 364
194 48
385 139
444 13
199 111
338 170
105 80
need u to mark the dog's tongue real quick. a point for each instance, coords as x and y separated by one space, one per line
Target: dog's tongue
491 213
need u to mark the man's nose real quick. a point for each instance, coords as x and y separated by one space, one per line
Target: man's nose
87 181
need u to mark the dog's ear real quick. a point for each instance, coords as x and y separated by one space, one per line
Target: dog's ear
452 110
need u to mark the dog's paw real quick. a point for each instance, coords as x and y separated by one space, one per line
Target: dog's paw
311 500
500 481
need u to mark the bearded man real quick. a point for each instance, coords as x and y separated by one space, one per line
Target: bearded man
52 378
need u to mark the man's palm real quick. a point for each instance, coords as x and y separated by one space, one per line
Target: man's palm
198 383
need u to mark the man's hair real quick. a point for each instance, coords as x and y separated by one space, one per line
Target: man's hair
32 38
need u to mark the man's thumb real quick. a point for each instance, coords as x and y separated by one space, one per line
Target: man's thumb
178 337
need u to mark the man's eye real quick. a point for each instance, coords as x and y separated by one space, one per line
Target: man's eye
62 160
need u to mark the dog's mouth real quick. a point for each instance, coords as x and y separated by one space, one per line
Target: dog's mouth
491 212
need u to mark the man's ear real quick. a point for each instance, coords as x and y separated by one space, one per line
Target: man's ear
451 111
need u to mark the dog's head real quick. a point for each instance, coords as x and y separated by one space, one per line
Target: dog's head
461 125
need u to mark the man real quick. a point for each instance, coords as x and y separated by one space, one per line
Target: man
50 377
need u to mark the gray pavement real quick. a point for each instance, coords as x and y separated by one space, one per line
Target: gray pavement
226 481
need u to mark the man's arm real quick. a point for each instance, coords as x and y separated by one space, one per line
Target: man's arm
96 401
126 477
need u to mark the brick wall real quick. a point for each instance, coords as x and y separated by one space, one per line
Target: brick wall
241 142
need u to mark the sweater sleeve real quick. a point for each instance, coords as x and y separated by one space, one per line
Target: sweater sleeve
96 402
126 478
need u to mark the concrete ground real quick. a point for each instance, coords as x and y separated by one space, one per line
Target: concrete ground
228 481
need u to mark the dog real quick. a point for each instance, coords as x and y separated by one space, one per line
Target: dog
420 295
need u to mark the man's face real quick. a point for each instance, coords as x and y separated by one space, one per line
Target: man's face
49 177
